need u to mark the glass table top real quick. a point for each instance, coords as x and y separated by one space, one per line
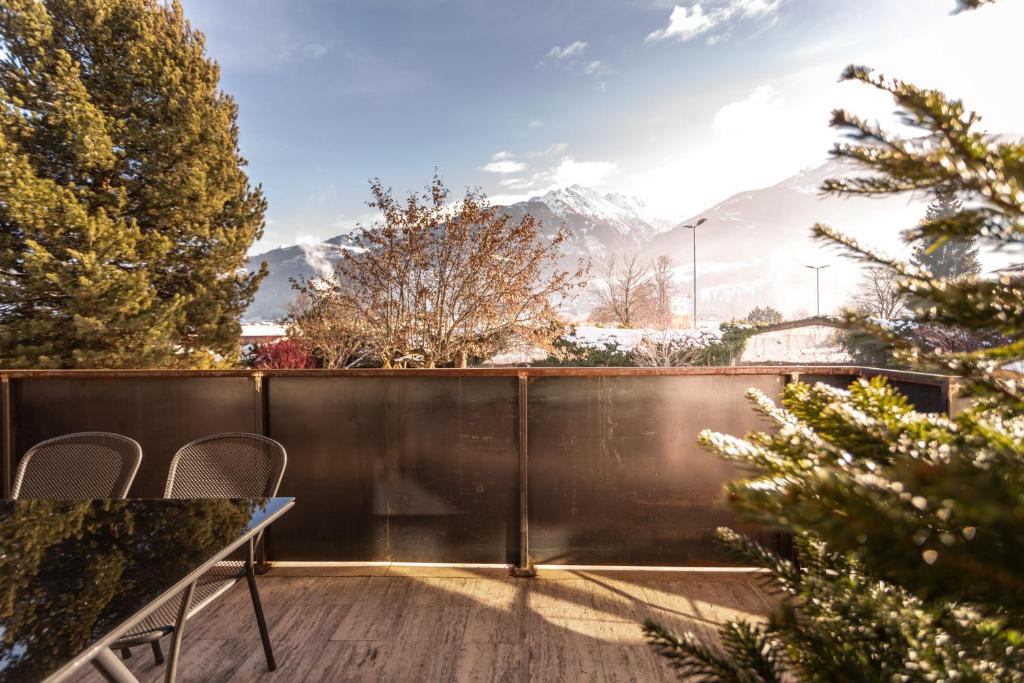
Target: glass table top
72 572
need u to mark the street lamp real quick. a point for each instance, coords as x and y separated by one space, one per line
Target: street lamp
817 283
694 228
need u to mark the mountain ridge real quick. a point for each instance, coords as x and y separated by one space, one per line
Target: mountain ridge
751 251
598 224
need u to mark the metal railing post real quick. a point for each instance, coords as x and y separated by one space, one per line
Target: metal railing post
261 427
524 565
7 435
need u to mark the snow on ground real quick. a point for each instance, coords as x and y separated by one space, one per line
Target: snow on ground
262 330
801 345
627 339
599 337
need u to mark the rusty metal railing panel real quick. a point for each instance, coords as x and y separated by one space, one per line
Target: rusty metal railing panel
507 465
616 474
397 468
160 413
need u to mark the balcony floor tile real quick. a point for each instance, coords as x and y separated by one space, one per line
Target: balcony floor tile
464 625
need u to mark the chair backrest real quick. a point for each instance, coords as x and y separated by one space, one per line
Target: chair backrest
78 466
234 465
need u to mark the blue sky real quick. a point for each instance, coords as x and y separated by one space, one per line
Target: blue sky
679 103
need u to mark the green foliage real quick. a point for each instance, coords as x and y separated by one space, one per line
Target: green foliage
746 649
569 353
706 351
868 349
125 210
730 347
907 526
865 348
764 315
952 258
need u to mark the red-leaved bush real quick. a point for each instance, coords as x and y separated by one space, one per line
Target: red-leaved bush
282 354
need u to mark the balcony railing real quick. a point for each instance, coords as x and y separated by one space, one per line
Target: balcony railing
516 466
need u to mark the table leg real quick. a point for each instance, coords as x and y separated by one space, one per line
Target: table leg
112 668
179 630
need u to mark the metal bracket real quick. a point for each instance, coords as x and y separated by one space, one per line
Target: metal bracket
527 572
524 566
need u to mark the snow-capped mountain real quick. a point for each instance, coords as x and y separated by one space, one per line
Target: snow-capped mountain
599 225
752 250
755 246
296 262
627 214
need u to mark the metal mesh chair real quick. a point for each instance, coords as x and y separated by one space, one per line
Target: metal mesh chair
78 466
227 466
234 465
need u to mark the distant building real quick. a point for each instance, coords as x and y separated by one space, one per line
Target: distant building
261 333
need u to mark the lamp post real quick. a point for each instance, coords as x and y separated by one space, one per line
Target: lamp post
694 228
817 284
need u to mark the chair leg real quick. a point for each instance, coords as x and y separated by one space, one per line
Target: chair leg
171 671
250 576
158 654
126 653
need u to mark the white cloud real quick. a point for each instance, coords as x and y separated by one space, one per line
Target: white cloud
522 183
553 170
303 52
504 166
687 22
571 50
775 127
754 141
316 254
534 125
751 113
570 58
586 173
683 24
503 163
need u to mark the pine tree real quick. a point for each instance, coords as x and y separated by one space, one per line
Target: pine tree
764 315
950 258
125 208
908 527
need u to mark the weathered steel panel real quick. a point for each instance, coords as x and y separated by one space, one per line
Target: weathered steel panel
925 397
425 465
397 468
162 414
616 474
837 381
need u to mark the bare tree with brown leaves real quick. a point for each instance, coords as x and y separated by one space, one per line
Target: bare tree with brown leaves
664 287
438 283
667 350
321 323
624 292
879 294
